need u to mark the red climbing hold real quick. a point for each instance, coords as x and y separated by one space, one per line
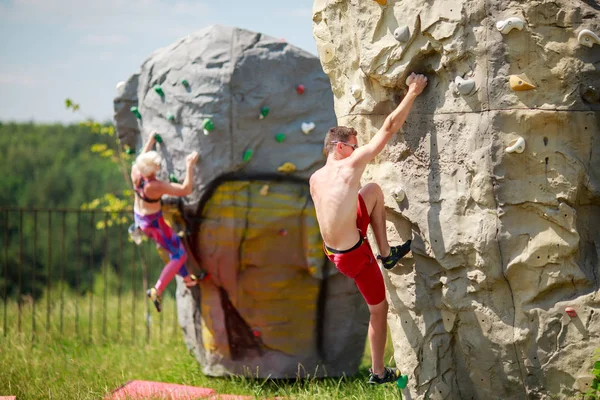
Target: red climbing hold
256 332
300 89
571 312
283 232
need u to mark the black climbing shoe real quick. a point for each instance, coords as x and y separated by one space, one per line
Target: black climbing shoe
396 253
389 375
155 297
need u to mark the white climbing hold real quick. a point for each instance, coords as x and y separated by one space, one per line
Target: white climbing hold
402 34
120 85
509 24
464 86
327 53
516 145
448 319
398 194
356 91
588 38
307 127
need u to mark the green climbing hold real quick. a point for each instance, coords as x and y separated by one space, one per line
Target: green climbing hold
185 83
264 112
173 178
158 138
280 137
248 155
159 90
130 151
134 110
208 125
402 381
170 117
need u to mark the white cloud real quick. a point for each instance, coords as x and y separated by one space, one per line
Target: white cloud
104 40
300 12
18 79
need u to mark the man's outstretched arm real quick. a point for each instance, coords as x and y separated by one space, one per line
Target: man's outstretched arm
393 122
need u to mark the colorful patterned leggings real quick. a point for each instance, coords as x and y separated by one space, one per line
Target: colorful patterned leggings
155 227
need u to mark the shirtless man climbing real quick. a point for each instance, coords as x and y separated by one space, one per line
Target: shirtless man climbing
335 189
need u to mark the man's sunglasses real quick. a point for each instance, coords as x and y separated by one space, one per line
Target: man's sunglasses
354 146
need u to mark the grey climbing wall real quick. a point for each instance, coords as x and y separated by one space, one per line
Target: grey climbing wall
495 176
256 109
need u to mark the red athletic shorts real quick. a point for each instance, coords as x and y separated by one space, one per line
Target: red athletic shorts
359 263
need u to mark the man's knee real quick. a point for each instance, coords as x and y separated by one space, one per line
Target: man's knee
379 310
371 189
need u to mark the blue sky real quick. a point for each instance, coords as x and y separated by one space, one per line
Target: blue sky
54 49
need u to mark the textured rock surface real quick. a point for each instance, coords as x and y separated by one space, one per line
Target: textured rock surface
502 242
264 310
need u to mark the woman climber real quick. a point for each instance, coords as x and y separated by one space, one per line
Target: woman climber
148 214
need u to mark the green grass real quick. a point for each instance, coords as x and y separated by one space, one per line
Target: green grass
86 362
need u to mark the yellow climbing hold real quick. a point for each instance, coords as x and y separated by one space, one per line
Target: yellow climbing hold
264 190
520 83
287 167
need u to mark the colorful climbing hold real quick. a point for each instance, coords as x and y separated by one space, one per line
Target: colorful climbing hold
571 312
382 2
307 127
263 112
283 232
327 53
256 332
134 110
588 38
398 194
248 155
300 89
170 117
516 146
520 83
402 381
173 178
130 151
589 94
185 83
464 86
509 24
159 90
264 190
402 34
355 91
208 126
158 138
280 137
287 167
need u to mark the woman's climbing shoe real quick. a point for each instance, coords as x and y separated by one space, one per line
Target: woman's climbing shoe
389 375
155 297
396 253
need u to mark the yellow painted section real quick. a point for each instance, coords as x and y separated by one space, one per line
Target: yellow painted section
265 250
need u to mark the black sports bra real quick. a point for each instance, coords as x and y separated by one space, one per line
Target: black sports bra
139 190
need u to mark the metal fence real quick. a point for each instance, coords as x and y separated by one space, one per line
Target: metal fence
71 272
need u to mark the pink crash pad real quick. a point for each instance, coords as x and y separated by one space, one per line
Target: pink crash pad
8 397
170 391
159 390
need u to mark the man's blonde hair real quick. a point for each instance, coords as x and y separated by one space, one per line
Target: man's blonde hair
148 163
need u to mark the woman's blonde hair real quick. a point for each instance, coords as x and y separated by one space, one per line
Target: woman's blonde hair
148 163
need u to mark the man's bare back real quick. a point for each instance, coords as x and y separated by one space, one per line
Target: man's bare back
334 189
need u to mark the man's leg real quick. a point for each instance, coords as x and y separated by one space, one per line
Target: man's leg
373 198
378 335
